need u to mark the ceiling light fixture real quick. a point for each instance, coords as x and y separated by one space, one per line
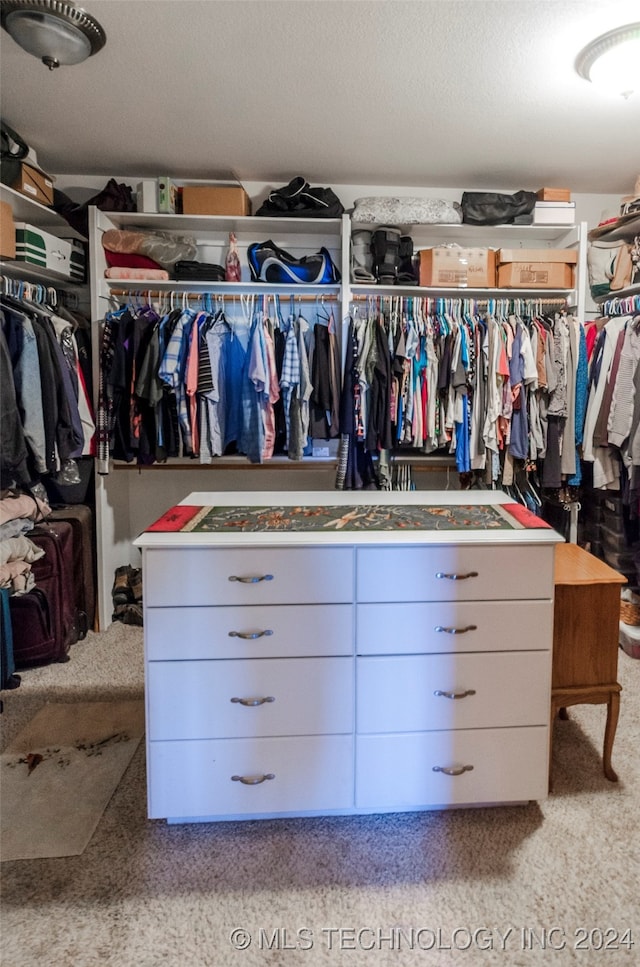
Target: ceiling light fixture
56 32
612 61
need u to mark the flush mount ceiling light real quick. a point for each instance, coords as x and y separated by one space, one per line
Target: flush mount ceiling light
56 32
612 61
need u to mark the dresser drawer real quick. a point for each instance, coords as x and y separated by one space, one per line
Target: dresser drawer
295 630
450 573
412 627
194 779
202 576
414 693
397 771
193 699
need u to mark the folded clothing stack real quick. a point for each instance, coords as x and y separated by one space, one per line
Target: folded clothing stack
145 251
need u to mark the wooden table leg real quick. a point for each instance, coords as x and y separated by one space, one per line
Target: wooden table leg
613 710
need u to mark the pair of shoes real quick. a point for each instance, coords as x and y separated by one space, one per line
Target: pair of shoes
127 585
121 593
393 257
128 614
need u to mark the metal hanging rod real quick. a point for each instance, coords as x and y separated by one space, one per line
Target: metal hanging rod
461 298
217 296
621 305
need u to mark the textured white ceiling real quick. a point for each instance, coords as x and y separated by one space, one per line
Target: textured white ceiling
451 93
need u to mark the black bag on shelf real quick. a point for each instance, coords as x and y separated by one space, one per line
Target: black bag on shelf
114 197
13 151
491 208
299 200
186 270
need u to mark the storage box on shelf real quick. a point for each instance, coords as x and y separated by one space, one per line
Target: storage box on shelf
42 249
215 200
473 268
7 232
35 184
536 268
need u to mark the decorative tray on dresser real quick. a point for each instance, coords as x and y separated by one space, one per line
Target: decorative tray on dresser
346 653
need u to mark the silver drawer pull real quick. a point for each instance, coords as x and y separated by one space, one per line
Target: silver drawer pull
468 691
253 580
457 577
253 702
253 780
250 635
452 770
456 631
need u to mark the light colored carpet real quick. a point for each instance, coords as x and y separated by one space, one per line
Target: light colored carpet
149 894
59 773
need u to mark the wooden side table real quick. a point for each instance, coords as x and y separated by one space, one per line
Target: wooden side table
585 639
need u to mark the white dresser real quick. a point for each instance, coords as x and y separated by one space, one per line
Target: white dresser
331 670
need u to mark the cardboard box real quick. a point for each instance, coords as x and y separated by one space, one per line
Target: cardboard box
215 200
458 268
34 184
37 247
536 275
536 268
553 194
7 232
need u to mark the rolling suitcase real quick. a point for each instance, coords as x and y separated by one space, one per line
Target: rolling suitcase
53 575
84 558
34 638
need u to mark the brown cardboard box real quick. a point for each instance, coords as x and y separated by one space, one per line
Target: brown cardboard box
215 200
533 268
553 194
34 184
458 268
7 232
535 275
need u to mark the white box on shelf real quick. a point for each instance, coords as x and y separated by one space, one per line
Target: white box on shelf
554 213
147 196
37 247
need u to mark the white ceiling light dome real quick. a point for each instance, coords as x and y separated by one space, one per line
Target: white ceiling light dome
612 61
55 31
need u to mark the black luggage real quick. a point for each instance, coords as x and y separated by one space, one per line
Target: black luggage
84 558
34 637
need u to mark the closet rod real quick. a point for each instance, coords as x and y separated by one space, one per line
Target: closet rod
169 293
47 295
463 298
621 306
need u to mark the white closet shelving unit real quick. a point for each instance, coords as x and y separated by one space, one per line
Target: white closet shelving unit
480 236
126 502
33 213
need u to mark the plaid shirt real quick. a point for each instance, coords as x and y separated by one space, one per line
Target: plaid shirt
172 371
